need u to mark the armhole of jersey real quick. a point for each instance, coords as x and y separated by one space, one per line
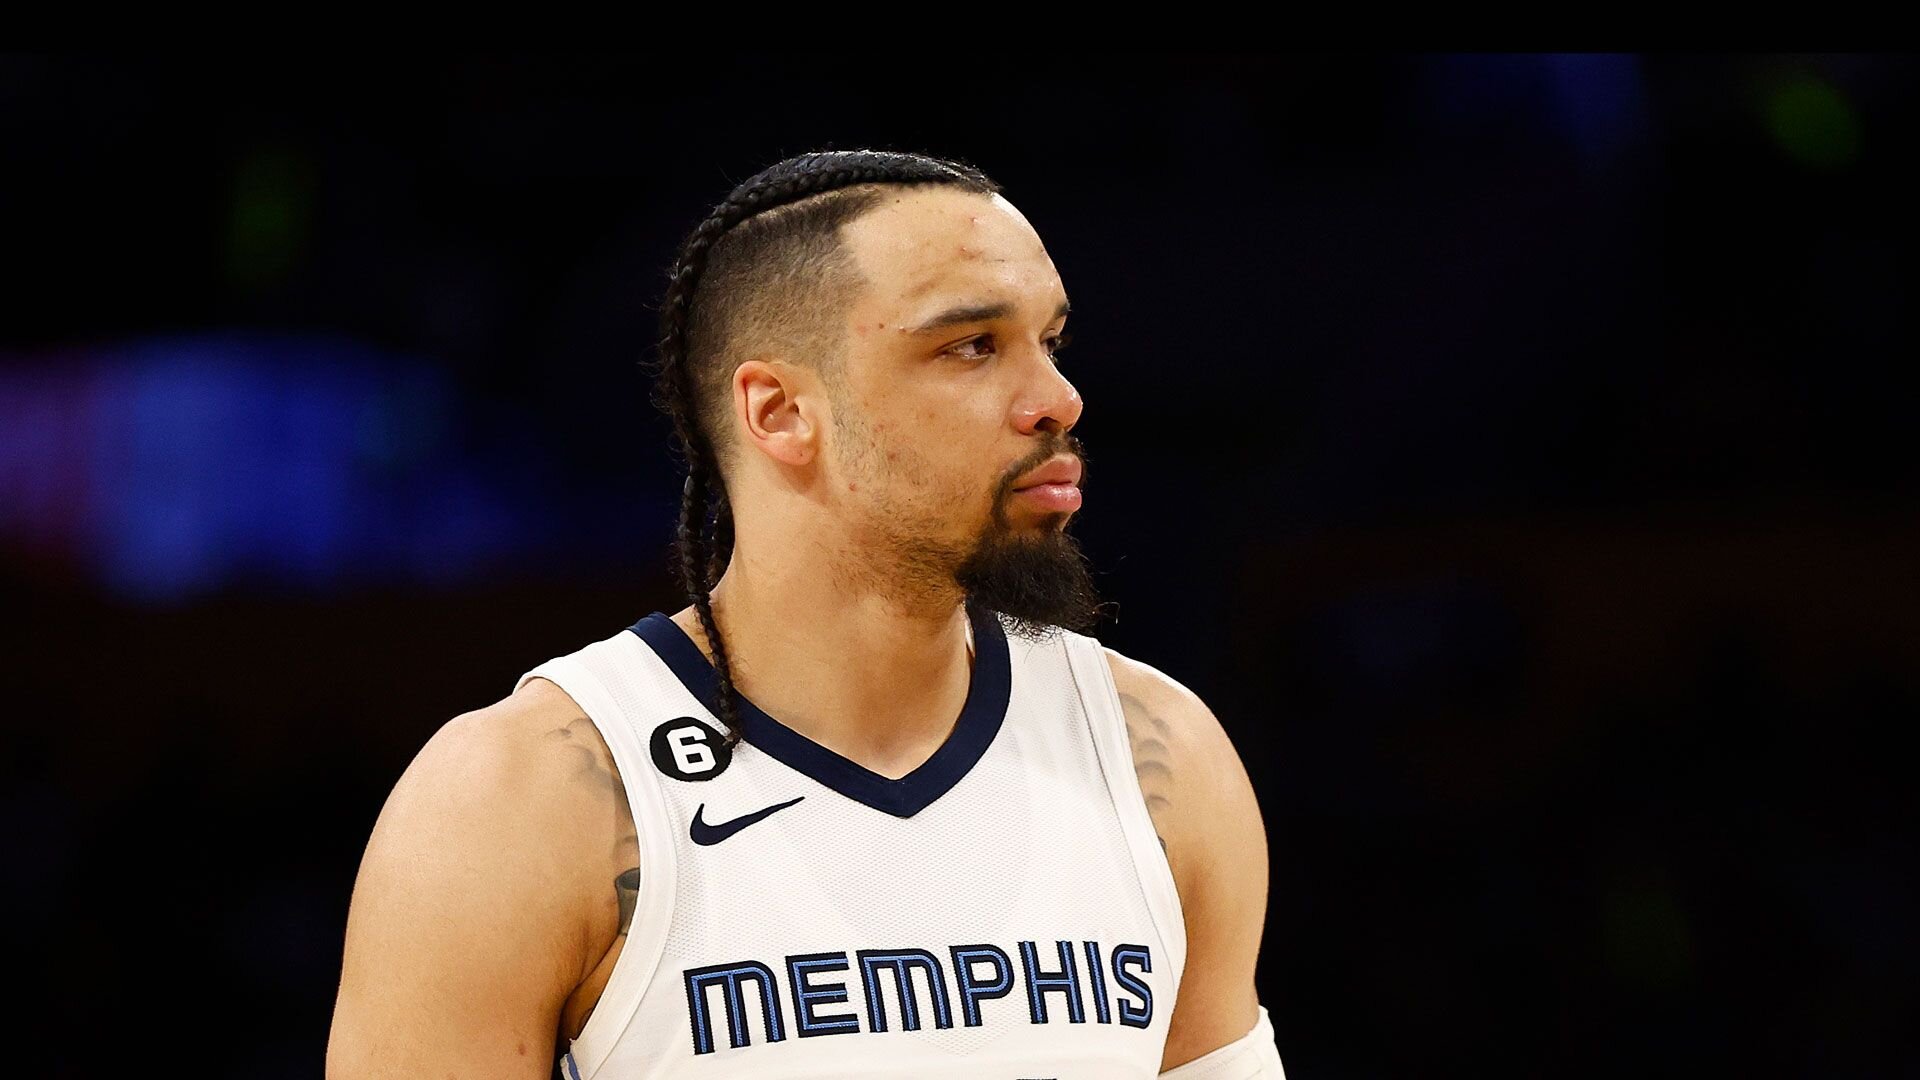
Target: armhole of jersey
1088 662
634 968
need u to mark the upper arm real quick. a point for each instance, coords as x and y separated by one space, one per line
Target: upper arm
1202 804
468 926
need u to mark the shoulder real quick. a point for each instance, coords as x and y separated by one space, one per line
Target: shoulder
477 908
532 757
524 781
1202 803
533 779
1196 785
1148 691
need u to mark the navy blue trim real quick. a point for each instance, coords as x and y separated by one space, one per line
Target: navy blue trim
988 694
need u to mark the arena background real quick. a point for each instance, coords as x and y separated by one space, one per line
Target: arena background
1509 448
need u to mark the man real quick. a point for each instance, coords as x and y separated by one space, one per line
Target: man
974 843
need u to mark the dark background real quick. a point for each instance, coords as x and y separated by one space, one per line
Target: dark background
1510 449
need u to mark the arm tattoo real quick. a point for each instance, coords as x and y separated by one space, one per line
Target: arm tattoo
1152 761
596 767
628 886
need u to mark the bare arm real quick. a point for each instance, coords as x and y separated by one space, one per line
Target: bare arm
1203 807
480 901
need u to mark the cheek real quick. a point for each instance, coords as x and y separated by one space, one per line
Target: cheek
924 477
941 450
936 473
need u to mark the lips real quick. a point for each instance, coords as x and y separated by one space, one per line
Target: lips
1061 470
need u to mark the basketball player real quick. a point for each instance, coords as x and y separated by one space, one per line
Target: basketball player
873 804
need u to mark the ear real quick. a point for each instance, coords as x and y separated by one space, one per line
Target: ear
774 402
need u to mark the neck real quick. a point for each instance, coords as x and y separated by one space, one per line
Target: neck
876 681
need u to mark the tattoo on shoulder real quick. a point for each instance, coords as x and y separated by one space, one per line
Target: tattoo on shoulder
596 767
1152 761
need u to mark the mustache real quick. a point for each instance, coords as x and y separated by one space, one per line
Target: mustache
1064 444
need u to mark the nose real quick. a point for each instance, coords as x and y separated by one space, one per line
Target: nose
1051 405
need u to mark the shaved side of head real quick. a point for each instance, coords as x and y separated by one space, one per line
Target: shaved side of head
780 281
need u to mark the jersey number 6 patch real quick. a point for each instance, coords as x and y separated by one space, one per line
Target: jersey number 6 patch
686 749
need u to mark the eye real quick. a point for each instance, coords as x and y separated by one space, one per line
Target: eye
1054 345
983 340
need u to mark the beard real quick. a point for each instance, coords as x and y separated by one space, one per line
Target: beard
1039 581
1035 575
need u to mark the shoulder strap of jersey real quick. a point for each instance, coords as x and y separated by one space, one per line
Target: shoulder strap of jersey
1087 661
601 679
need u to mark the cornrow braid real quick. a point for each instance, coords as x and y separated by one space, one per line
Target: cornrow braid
836 186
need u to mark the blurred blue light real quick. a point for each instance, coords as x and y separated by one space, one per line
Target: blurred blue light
1594 103
1600 101
174 466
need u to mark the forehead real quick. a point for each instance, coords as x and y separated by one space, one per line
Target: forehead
922 247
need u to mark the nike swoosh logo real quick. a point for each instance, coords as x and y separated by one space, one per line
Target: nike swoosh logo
707 835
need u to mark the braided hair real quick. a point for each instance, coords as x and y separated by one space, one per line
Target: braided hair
766 261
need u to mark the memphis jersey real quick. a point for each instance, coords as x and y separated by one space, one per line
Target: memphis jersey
1005 911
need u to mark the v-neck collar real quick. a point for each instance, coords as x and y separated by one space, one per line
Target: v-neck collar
988 693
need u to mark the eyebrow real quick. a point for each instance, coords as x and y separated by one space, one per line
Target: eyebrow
973 313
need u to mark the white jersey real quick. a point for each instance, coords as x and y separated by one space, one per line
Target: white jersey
1003 912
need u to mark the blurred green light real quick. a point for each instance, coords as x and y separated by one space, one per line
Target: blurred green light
271 215
1813 123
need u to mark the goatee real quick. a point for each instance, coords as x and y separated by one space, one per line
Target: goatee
1038 577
